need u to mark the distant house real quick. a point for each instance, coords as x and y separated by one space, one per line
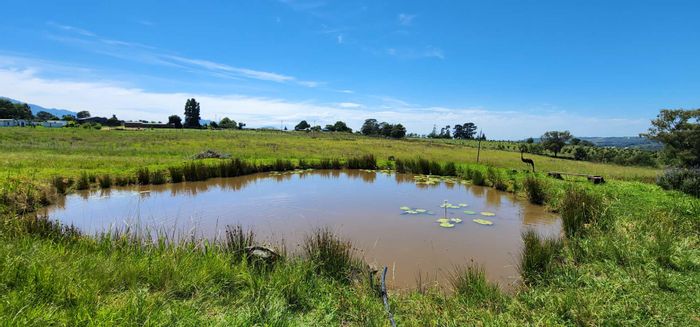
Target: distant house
54 123
97 120
137 124
14 122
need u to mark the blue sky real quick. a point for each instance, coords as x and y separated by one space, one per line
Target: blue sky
515 68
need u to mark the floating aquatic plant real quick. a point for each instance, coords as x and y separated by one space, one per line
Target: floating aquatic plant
443 220
421 210
456 220
469 212
463 205
447 225
483 222
404 208
487 214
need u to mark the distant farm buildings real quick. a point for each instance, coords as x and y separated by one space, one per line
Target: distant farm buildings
14 123
54 123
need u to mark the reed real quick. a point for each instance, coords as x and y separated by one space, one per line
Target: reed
535 189
238 240
478 178
332 256
105 181
470 285
143 176
176 174
158 177
83 182
579 209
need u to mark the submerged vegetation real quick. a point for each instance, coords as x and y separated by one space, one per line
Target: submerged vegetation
628 255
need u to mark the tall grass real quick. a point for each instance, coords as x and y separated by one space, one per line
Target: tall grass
538 256
158 177
495 177
478 178
579 209
470 284
105 181
535 189
176 174
238 241
332 256
143 176
83 182
364 162
60 184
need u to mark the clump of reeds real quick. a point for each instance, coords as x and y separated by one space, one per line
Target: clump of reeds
195 171
46 228
238 241
121 180
367 161
176 174
105 181
158 177
538 256
496 179
470 285
60 184
332 256
579 208
535 189
478 178
83 182
450 169
143 176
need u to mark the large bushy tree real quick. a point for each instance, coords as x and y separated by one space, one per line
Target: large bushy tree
679 131
9 110
555 140
228 123
373 128
83 114
192 117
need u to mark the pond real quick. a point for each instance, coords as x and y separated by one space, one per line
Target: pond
392 219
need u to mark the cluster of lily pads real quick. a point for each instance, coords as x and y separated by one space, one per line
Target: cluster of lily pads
383 171
446 222
434 180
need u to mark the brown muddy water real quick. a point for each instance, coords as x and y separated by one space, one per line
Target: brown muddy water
364 207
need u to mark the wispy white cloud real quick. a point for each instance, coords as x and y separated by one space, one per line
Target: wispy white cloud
151 55
405 19
412 53
106 98
339 38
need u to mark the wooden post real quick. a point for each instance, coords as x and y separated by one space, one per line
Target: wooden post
478 151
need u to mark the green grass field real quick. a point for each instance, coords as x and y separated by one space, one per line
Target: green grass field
633 260
42 153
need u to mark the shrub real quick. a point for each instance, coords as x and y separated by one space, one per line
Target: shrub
176 174
578 209
478 178
158 177
143 176
686 180
332 256
471 286
105 181
535 189
83 182
538 256
365 162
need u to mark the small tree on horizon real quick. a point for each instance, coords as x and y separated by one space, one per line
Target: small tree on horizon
192 117
302 126
227 123
83 114
175 120
555 140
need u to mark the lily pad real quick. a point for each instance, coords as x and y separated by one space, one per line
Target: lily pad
463 205
404 208
421 210
446 225
456 220
443 220
469 212
487 214
413 212
483 222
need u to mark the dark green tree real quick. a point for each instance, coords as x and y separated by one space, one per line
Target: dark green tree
398 131
192 117
227 123
555 140
83 114
43 115
679 131
340 126
302 126
113 121
370 127
9 110
175 121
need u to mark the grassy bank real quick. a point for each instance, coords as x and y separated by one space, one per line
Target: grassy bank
43 153
629 255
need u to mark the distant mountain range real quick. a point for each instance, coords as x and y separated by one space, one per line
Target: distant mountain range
634 142
37 108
